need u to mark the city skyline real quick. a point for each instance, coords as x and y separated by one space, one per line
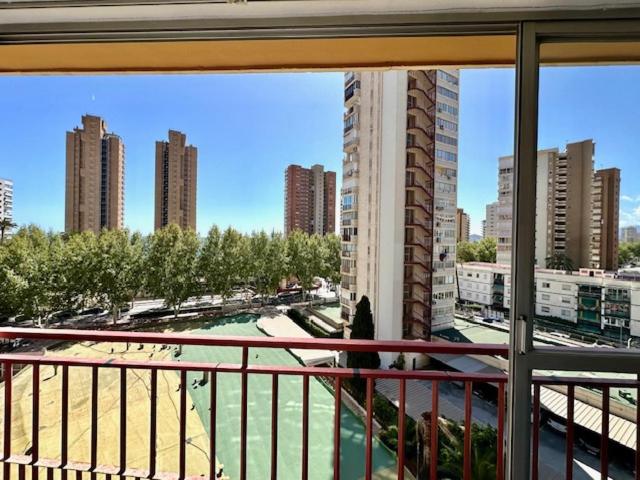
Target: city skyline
276 140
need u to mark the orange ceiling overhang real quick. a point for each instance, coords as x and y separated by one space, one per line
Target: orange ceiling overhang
259 55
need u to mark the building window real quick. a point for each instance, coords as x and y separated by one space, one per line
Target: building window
545 309
546 285
446 108
545 296
566 287
444 155
442 75
446 139
447 93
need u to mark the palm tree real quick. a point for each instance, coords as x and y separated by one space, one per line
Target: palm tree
5 224
451 448
559 261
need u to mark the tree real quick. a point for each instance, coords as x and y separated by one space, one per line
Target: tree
629 254
301 264
486 250
466 252
5 224
482 251
332 261
246 262
118 272
559 261
483 451
210 263
277 264
172 266
230 264
76 271
259 248
29 260
362 329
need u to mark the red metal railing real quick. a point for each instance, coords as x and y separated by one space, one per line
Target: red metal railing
45 467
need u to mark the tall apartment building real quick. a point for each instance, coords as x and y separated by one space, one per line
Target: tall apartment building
490 223
6 202
629 234
605 219
569 208
399 199
462 226
94 197
176 182
309 200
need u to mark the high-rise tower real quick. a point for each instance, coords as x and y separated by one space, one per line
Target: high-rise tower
94 197
176 182
398 215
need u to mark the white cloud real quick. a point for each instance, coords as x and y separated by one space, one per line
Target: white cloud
630 217
626 198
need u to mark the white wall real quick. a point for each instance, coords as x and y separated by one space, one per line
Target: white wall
392 205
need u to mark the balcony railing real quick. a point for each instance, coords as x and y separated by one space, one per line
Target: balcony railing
33 463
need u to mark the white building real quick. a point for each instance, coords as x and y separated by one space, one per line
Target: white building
490 223
629 234
592 299
6 200
399 198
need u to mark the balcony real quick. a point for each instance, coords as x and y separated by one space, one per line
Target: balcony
277 382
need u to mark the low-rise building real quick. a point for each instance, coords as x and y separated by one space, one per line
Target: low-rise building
592 300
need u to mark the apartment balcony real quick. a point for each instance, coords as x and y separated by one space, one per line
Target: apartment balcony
280 382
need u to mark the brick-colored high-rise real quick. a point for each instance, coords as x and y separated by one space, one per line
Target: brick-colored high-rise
94 197
462 226
605 219
309 200
176 181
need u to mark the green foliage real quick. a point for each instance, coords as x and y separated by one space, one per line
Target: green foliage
172 265
332 261
559 261
629 254
482 251
362 329
42 273
451 450
119 260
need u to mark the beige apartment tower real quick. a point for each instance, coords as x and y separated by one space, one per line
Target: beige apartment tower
462 226
576 208
176 181
94 189
399 199
605 219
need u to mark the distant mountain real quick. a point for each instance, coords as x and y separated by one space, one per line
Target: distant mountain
474 237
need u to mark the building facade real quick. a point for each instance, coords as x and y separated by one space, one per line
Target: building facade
629 234
591 299
605 219
309 200
94 193
399 198
462 226
6 203
490 223
576 208
176 182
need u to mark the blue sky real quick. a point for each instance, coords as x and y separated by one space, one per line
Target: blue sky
248 128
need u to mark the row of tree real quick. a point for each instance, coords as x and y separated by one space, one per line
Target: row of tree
42 273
